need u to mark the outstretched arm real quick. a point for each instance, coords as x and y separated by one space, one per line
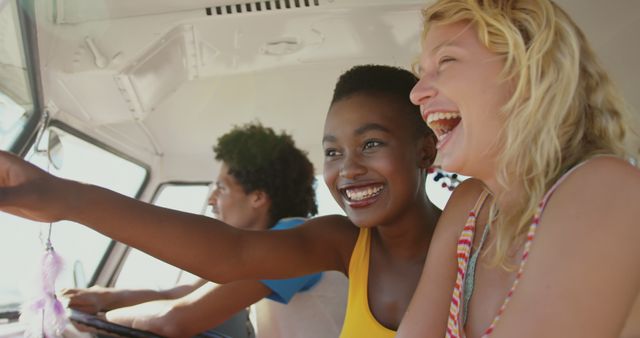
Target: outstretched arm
205 308
178 238
97 298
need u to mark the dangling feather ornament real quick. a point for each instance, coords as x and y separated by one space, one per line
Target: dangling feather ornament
44 316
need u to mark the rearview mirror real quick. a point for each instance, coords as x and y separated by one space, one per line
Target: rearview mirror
55 150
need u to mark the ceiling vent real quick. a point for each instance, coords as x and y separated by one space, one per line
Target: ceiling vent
262 6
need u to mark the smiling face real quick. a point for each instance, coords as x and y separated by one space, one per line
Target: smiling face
460 95
373 158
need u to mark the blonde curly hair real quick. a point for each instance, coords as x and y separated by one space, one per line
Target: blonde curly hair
564 109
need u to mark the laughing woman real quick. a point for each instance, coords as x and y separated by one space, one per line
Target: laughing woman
545 236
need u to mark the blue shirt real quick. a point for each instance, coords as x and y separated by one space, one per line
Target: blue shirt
282 290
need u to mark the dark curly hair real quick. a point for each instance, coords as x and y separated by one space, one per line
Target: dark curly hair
382 80
260 159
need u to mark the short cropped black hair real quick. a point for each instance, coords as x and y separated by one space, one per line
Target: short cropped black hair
389 81
260 159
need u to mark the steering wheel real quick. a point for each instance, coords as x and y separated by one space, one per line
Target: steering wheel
107 329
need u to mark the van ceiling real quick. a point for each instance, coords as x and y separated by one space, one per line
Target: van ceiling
161 79
76 11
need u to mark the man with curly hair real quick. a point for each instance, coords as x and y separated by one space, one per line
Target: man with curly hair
264 183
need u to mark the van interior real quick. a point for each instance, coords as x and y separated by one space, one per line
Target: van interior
131 95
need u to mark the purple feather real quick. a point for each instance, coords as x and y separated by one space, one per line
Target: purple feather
44 315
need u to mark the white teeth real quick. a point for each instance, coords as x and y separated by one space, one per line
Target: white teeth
441 129
361 194
442 116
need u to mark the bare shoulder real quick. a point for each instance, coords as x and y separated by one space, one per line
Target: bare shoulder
332 226
331 234
583 271
604 188
596 208
468 191
608 166
462 200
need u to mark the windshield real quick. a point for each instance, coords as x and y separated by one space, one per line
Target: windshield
16 101
81 248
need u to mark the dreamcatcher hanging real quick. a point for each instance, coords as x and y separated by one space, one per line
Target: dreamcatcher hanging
43 314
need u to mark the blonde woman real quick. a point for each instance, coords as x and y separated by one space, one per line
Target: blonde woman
545 236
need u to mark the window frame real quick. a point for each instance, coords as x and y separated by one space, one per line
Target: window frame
113 279
26 138
110 250
11 316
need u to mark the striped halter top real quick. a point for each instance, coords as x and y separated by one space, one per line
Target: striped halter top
455 322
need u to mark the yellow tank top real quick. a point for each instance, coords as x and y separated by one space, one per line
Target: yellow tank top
359 321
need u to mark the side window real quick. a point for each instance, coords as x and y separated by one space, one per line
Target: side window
81 248
143 271
16 101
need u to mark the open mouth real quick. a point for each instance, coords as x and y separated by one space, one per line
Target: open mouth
363 193
442 123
